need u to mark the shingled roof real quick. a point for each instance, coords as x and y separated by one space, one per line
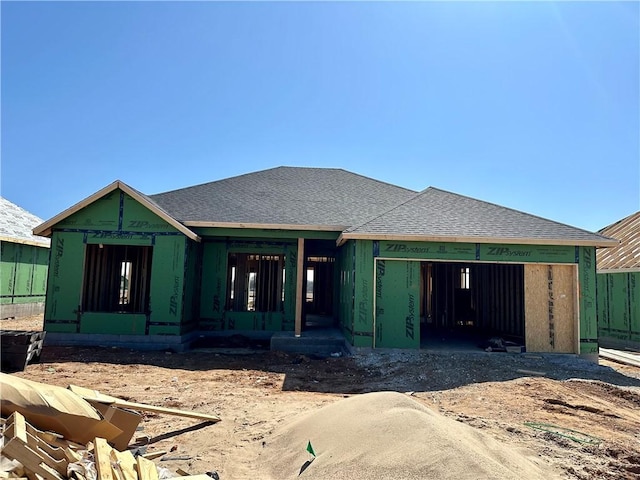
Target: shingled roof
625 256
318 198
438 215
16 224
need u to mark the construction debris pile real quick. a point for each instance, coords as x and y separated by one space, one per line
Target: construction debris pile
53 433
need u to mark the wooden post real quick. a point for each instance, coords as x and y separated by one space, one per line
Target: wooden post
299 296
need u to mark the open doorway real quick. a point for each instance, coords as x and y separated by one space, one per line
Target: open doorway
472 304
318 288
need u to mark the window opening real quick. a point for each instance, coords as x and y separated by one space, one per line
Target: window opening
256 282
309 290
465 278
116 278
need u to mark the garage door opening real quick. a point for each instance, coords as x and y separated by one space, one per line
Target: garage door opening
472 305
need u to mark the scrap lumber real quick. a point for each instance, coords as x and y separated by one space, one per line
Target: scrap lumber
126 463
95 396
619 356
28 450
146 469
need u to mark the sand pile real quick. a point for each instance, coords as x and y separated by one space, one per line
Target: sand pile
388 435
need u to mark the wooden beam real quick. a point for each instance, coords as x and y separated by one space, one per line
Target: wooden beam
299 283
95 396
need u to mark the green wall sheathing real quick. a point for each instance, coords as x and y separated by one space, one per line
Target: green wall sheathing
138 218
192 285
421 250
475 252
213 286
23 273
256 233
167 283
113 323
619 306
102 214
363 294
527 253
587 304
65 282
214 316
115 212
397 321
346 268
118 219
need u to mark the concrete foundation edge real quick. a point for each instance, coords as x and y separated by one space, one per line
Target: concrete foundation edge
178 343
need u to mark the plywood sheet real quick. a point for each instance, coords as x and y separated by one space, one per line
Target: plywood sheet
550 314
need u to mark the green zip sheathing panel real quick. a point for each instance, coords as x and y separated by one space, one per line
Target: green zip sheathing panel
213 312
64 285
113 323
475 252
115 212
619 307
587 303
346 267
363 294
397 321
192 285
23 273
167 285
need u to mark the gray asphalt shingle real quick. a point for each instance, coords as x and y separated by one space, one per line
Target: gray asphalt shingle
438 213
286 196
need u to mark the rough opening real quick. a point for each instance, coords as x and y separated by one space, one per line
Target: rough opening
256 282
116 278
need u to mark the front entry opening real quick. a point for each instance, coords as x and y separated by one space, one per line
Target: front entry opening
478 305
319 285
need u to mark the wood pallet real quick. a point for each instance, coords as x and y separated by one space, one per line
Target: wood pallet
19 348
47 456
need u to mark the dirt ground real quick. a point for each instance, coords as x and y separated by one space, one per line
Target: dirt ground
579 417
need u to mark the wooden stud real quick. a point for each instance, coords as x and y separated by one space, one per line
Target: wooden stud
299 282
102 455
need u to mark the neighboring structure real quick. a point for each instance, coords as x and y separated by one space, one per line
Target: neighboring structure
24 259
284 249
618 286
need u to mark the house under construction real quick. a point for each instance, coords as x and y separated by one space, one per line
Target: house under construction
618 286
24 258
288 249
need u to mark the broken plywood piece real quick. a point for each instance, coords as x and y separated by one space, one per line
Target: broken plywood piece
95 396
53 408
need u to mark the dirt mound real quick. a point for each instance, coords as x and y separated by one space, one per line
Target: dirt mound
387 435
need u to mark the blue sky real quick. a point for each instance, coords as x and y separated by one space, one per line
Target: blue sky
533 106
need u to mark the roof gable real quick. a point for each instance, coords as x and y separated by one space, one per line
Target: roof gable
438 215
284 197
626 255
16 224
103 198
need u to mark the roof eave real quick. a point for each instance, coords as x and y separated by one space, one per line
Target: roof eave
471 239
265 226
45 229
25 241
